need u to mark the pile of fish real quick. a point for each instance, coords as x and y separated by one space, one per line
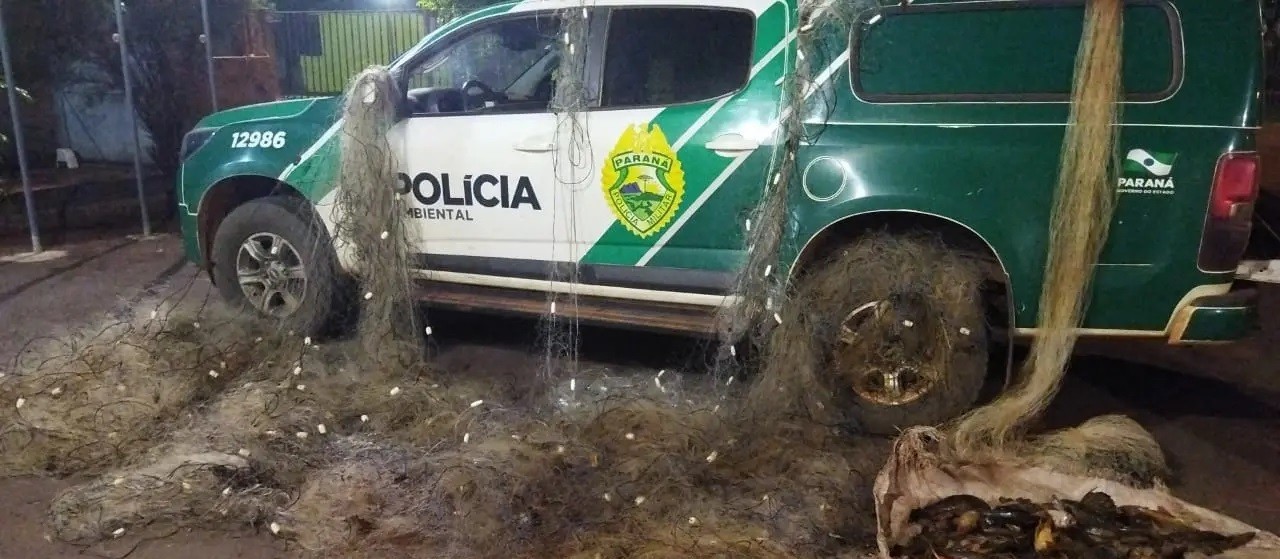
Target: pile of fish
966 527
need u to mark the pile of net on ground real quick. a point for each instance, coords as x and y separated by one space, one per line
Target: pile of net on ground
197 416
221 424
346 461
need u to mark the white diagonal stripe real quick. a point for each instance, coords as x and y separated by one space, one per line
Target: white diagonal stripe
715 108
311 150
735 164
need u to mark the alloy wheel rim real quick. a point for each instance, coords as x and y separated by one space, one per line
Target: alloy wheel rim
874 369
271 274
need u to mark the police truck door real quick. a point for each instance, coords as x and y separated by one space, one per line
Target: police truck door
688 98
476 150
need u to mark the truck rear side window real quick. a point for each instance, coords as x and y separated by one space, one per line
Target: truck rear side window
670 56
1003 51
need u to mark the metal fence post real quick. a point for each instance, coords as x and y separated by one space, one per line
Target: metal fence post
133 115
208 54
12 88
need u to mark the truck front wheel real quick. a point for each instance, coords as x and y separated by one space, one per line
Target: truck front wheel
270 258
904 336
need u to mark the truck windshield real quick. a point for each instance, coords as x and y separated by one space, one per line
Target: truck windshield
513 58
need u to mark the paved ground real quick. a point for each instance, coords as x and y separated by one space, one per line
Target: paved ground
1215 410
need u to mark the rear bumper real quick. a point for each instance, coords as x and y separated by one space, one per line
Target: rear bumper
1216 318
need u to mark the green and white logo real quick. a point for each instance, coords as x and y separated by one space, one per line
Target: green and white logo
1152 169
1152 163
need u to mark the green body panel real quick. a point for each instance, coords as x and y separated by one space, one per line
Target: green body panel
990 166
1001 186
302 121
713 239
274 111
190 239
215 162
1220 324
989 43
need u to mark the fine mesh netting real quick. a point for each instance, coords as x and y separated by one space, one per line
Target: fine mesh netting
195 414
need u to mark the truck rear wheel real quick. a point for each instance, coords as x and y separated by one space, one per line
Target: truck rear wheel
272 258
905 334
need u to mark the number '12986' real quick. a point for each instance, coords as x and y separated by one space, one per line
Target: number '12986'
258 140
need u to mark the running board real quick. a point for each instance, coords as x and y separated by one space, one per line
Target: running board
1261 271
660 317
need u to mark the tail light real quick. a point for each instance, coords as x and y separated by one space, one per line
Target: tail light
1235 185
1230 217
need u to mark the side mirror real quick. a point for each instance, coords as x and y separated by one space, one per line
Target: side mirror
399 96
370 93
396 92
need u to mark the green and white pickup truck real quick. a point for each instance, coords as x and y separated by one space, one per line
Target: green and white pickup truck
946 116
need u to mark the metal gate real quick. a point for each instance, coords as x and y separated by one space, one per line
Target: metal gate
318 52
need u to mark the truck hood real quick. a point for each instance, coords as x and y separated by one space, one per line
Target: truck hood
320 109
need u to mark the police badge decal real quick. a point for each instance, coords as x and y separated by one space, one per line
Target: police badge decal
643 180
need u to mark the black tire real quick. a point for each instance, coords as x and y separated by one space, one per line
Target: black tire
293 221
967 373
918 323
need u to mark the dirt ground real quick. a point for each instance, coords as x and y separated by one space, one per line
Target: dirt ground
1216 410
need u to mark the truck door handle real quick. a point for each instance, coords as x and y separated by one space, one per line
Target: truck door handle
732 144
535 144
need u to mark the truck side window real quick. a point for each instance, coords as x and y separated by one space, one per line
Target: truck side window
669 56
504 66
1017 50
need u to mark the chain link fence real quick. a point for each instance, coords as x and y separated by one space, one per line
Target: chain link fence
83 154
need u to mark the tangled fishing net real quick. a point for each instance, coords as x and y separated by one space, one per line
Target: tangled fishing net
830 335
572 164
346 460
758 290
360 447
350 460
986 458
370 220
1104 450
1081 216
85 402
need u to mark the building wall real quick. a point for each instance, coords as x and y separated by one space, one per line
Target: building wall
95 124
